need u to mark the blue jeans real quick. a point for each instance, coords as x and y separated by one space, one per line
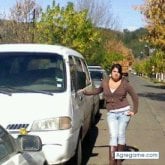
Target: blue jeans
117 123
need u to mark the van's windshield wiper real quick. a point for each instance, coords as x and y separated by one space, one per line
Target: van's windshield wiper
35 91
5 90
9 90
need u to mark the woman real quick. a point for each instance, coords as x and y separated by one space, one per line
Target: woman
115 89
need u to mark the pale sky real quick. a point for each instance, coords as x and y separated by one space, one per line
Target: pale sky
122 9
129 18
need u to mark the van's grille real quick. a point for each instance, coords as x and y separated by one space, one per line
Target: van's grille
17 126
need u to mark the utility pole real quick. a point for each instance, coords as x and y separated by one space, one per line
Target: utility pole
147 50
33 25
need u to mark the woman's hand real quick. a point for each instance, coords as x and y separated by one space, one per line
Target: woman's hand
130 113
81 91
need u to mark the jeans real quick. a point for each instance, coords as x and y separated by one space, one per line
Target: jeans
117 123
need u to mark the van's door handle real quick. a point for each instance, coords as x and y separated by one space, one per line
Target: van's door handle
80 97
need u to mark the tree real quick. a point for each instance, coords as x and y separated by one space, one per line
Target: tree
64 25
99 11
117 47
154 13
133 40
152 65
158 61
22 17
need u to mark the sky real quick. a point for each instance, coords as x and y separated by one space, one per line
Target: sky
127 17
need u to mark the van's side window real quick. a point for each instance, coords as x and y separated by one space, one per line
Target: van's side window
78 64
86 72
72 72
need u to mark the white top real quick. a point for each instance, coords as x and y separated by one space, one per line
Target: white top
112 90
121 109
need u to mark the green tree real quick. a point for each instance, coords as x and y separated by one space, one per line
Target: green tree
59 25
133 40
158 61
152 65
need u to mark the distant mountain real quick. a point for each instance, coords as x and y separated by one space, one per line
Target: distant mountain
133 40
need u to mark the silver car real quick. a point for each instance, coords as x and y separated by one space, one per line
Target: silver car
97 74
25 150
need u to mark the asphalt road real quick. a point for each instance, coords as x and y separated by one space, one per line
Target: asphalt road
145 133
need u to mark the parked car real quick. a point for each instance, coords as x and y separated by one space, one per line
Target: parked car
97 74
94 67
24 150
40 91
96 104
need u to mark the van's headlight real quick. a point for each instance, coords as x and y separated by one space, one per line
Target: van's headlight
59 123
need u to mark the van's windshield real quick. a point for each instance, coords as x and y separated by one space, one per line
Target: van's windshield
31 72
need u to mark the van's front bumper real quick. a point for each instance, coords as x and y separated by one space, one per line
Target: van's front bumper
57 154
58 147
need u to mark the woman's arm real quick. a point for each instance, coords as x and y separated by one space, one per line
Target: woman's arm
94 91
134 97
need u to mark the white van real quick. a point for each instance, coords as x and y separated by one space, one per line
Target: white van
39 91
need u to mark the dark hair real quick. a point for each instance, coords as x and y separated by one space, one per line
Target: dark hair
119 67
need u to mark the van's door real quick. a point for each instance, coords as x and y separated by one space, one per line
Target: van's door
84 103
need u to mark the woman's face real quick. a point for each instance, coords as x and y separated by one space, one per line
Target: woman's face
115 74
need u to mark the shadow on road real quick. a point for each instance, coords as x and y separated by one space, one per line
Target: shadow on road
131 148
155 86
89 142
153 96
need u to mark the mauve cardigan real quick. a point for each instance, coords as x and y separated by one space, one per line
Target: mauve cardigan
118 98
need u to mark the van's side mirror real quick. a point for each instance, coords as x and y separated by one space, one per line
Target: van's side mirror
80 80
29 143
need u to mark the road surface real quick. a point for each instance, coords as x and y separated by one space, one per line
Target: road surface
145 133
